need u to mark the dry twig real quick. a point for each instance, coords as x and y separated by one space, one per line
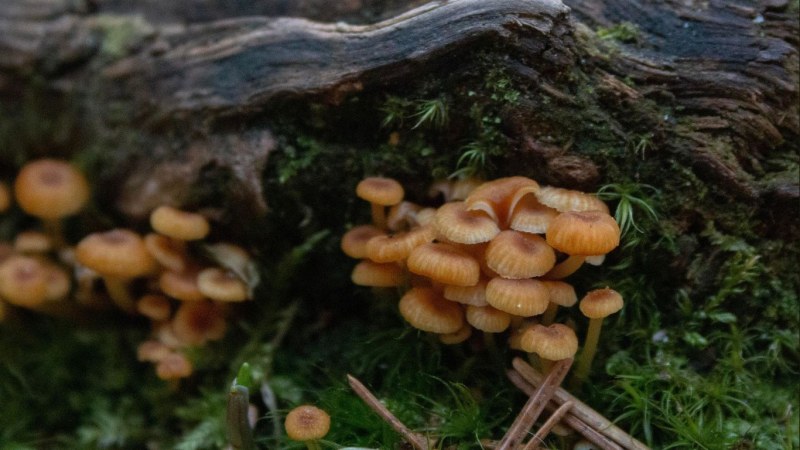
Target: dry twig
542 433
581 410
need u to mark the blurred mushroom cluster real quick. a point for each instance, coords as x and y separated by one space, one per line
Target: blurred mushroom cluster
492 258
171 275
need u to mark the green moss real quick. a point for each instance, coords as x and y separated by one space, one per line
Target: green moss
121 34
623 32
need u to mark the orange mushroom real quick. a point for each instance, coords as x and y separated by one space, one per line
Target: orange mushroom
380 193
581 234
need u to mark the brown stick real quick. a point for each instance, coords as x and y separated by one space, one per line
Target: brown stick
581 410
542 433
570 420
418 441
535 405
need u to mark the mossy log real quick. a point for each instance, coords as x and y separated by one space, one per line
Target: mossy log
710 88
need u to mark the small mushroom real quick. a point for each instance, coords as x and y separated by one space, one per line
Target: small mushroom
178 224
380 192
596 305
524 298
561 294
174 366
426 310
51 190
455 224
444 263
222 285
370 273
581 234
118 256
154 306
307 424
195 323
23 281
552 343
517 255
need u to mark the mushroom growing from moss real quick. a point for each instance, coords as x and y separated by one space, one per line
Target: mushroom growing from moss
596 305
380 192
581 234
178 224
118 256
51 190
307 424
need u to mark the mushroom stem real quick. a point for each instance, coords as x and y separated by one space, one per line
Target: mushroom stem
54 230
120 294
378 215
565 268
313 445
550 314
588 352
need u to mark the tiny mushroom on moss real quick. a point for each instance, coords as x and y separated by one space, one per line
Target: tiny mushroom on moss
178 224
581 234
307 424
51 190
596 305
118 256
380 192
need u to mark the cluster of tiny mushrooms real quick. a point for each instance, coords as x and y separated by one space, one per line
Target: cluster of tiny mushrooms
478 262
182 284
493 258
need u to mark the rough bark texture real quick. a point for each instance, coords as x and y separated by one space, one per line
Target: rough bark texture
719 78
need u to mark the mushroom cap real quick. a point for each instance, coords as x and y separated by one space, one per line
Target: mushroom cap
553 343
565 200
396 247
170 253
561 293
178 224
531 216
513 254
498 197
197 322
370 273
488 319
119 253
380 191
181 285
456 224
426 310
524 298
32 242
154 306
23 281
583 233
444 263
307 423
174 366
152 351
222 285
467 295
51 189
354 241
601 303
458 337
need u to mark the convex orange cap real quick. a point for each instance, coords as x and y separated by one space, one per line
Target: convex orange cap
426 310
51 189
178 224
601 303
119 253
444 263
583 233
513 254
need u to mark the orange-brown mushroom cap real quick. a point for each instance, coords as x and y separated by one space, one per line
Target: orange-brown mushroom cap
32 242
467 295
380 191
444 263
51 189
118 253
426 310
561 293
454 223
565 200
170 253
222 285
197 322
458 337
154 306
524 298
488 319
354 241
497 197
531 216
583 233
601 303
370 273
23 281
553 343
307 423
174 366
397 247
178 224
181 285
513 254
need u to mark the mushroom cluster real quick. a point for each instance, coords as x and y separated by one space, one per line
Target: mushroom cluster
171 276
491 258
